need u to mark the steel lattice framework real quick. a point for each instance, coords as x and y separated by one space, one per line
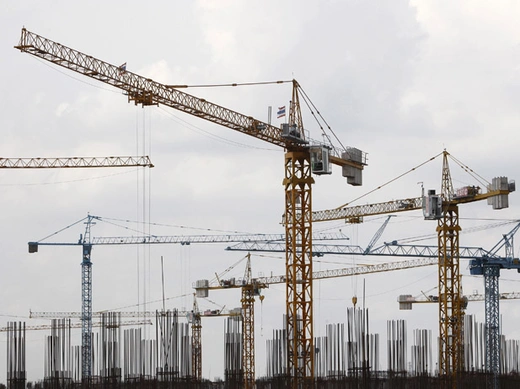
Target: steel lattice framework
451 312
86 306
492 310
298 230
73 162
248 334
388 249
355 214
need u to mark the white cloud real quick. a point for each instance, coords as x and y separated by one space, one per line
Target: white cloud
61 109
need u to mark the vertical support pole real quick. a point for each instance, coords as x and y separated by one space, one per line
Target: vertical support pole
451 312
298 232
491 300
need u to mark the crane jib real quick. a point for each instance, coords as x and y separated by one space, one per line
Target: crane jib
145 91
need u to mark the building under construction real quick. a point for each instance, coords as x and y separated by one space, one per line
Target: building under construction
347 356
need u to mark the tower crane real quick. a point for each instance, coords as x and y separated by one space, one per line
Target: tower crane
303 157
444 209
86 242
252 286
490 267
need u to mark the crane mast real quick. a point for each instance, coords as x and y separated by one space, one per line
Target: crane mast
451 311
86 304
249 290
297 180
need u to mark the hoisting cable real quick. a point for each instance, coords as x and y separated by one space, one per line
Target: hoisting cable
311 105
146 302
392 180
231 84
470 171
64 228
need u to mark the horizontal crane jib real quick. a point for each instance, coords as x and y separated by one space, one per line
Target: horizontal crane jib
388 249
344 272
184 240
355 213
188 239
73 162
145 91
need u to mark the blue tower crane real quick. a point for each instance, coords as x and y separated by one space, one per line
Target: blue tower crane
489 267
87 241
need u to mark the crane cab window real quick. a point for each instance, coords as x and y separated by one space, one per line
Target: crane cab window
320 160
292 132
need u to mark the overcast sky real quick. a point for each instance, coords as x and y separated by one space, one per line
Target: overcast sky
401 80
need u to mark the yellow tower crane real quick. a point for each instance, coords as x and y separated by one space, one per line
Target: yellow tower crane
251 287
445 209
302 158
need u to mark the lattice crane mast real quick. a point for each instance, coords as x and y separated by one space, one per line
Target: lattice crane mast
302 158
444 209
